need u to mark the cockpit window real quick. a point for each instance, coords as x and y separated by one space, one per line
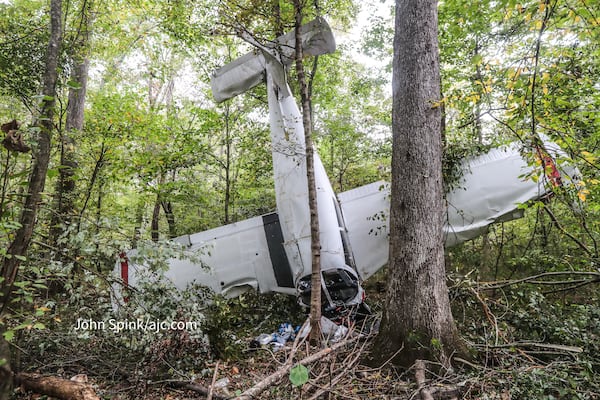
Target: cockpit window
342 287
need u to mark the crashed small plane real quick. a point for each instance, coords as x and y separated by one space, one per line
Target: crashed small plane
271 253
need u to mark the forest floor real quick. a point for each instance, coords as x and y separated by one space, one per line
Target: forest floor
526 346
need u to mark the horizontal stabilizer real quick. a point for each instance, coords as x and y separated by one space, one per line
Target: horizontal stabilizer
247 71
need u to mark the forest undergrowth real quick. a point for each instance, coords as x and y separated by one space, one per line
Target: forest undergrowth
525 345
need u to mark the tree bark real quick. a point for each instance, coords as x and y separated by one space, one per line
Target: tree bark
417 309
63 389
315 284
37 179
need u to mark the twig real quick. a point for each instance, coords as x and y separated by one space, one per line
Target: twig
212 384
576 286
563 230
297 342
466 362
386 362
488 313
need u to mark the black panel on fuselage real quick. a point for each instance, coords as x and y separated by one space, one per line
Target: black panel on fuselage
281 265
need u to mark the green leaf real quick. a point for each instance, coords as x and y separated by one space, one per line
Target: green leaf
73 84
8 335
39 325
477 59
299 375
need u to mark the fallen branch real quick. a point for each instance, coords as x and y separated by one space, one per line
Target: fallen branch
502 284
546 346
209 396
60 388
270 380
434 390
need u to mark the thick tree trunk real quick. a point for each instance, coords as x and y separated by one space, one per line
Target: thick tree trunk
417 311
37 179
5 368
315 300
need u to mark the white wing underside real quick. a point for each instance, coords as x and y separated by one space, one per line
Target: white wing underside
491 190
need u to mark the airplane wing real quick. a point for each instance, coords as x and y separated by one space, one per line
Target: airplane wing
491 189
229 260
496 183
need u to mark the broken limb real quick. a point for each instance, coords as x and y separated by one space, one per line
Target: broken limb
60 388
270 380
559 348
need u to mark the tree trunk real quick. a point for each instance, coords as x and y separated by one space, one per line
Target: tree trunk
315 300
227 166
167 207
37 179
139 221
65 187
92 182
417 311
154 226
59 388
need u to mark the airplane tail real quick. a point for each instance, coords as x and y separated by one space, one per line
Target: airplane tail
248 71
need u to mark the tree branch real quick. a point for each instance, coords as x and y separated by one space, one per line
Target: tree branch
502 284
257 389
